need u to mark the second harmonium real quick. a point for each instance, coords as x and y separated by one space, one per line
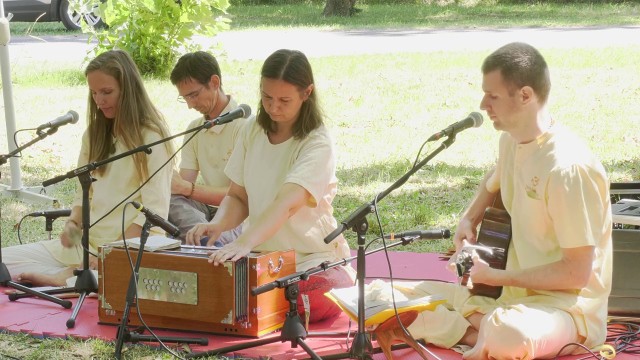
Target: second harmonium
181 290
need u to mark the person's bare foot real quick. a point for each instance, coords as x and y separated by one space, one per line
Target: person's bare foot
36 279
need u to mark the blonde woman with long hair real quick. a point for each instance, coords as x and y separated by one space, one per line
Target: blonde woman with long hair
121 117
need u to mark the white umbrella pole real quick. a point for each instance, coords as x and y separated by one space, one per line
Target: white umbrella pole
15 188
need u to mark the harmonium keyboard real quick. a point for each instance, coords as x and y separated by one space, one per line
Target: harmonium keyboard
181 290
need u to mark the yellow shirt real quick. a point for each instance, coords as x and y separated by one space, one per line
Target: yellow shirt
210 149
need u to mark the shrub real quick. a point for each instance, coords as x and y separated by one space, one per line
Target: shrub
157 32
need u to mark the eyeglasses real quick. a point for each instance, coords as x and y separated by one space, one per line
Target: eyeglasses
191 96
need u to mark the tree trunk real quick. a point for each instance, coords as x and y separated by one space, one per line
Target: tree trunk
339 8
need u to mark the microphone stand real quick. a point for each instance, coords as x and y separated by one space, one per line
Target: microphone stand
293 330
86 282
361 346
131 336
5 276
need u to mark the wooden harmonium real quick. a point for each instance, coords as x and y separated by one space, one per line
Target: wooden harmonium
181 290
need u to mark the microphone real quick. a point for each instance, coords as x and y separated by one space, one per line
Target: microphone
473 120
156 220
242 111
422 234
51 214
69 118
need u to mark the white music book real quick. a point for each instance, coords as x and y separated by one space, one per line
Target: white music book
153 243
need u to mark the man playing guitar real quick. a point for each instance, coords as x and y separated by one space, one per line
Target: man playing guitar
558 271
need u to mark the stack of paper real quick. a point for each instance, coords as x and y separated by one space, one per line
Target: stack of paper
153 243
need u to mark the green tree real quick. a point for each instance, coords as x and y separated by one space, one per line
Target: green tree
157 32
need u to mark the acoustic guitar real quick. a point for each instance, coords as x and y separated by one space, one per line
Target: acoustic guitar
493 241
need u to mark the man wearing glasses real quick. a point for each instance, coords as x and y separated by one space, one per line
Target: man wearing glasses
199 82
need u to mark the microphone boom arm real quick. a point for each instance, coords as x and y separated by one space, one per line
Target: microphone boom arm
41 135
96 164
246 111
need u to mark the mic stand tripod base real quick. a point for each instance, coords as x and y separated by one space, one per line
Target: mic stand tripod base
85 285
134 337
361 347
5 280
292 330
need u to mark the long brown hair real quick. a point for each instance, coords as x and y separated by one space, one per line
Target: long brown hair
135 112
293 67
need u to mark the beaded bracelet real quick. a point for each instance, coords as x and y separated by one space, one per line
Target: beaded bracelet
193 188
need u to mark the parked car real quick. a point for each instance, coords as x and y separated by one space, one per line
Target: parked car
51 11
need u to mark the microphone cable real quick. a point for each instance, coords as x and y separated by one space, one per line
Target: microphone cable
393 293
19 226
15 140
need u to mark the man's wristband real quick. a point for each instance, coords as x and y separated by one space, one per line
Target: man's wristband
193 188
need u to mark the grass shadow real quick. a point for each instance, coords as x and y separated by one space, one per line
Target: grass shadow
431 198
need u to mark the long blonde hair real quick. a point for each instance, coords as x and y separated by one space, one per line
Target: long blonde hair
135 112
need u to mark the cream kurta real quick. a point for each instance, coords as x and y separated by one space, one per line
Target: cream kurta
557 194
263 168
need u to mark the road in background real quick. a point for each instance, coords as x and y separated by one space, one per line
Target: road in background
258 44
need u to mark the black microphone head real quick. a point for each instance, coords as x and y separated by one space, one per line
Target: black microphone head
56 213
74 116
246 110
477 118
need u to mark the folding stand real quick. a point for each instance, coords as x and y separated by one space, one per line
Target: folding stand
361 347
123 334
5 277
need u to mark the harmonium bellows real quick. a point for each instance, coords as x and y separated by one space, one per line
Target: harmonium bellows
181 290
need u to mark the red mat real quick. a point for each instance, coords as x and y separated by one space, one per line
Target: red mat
42 318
